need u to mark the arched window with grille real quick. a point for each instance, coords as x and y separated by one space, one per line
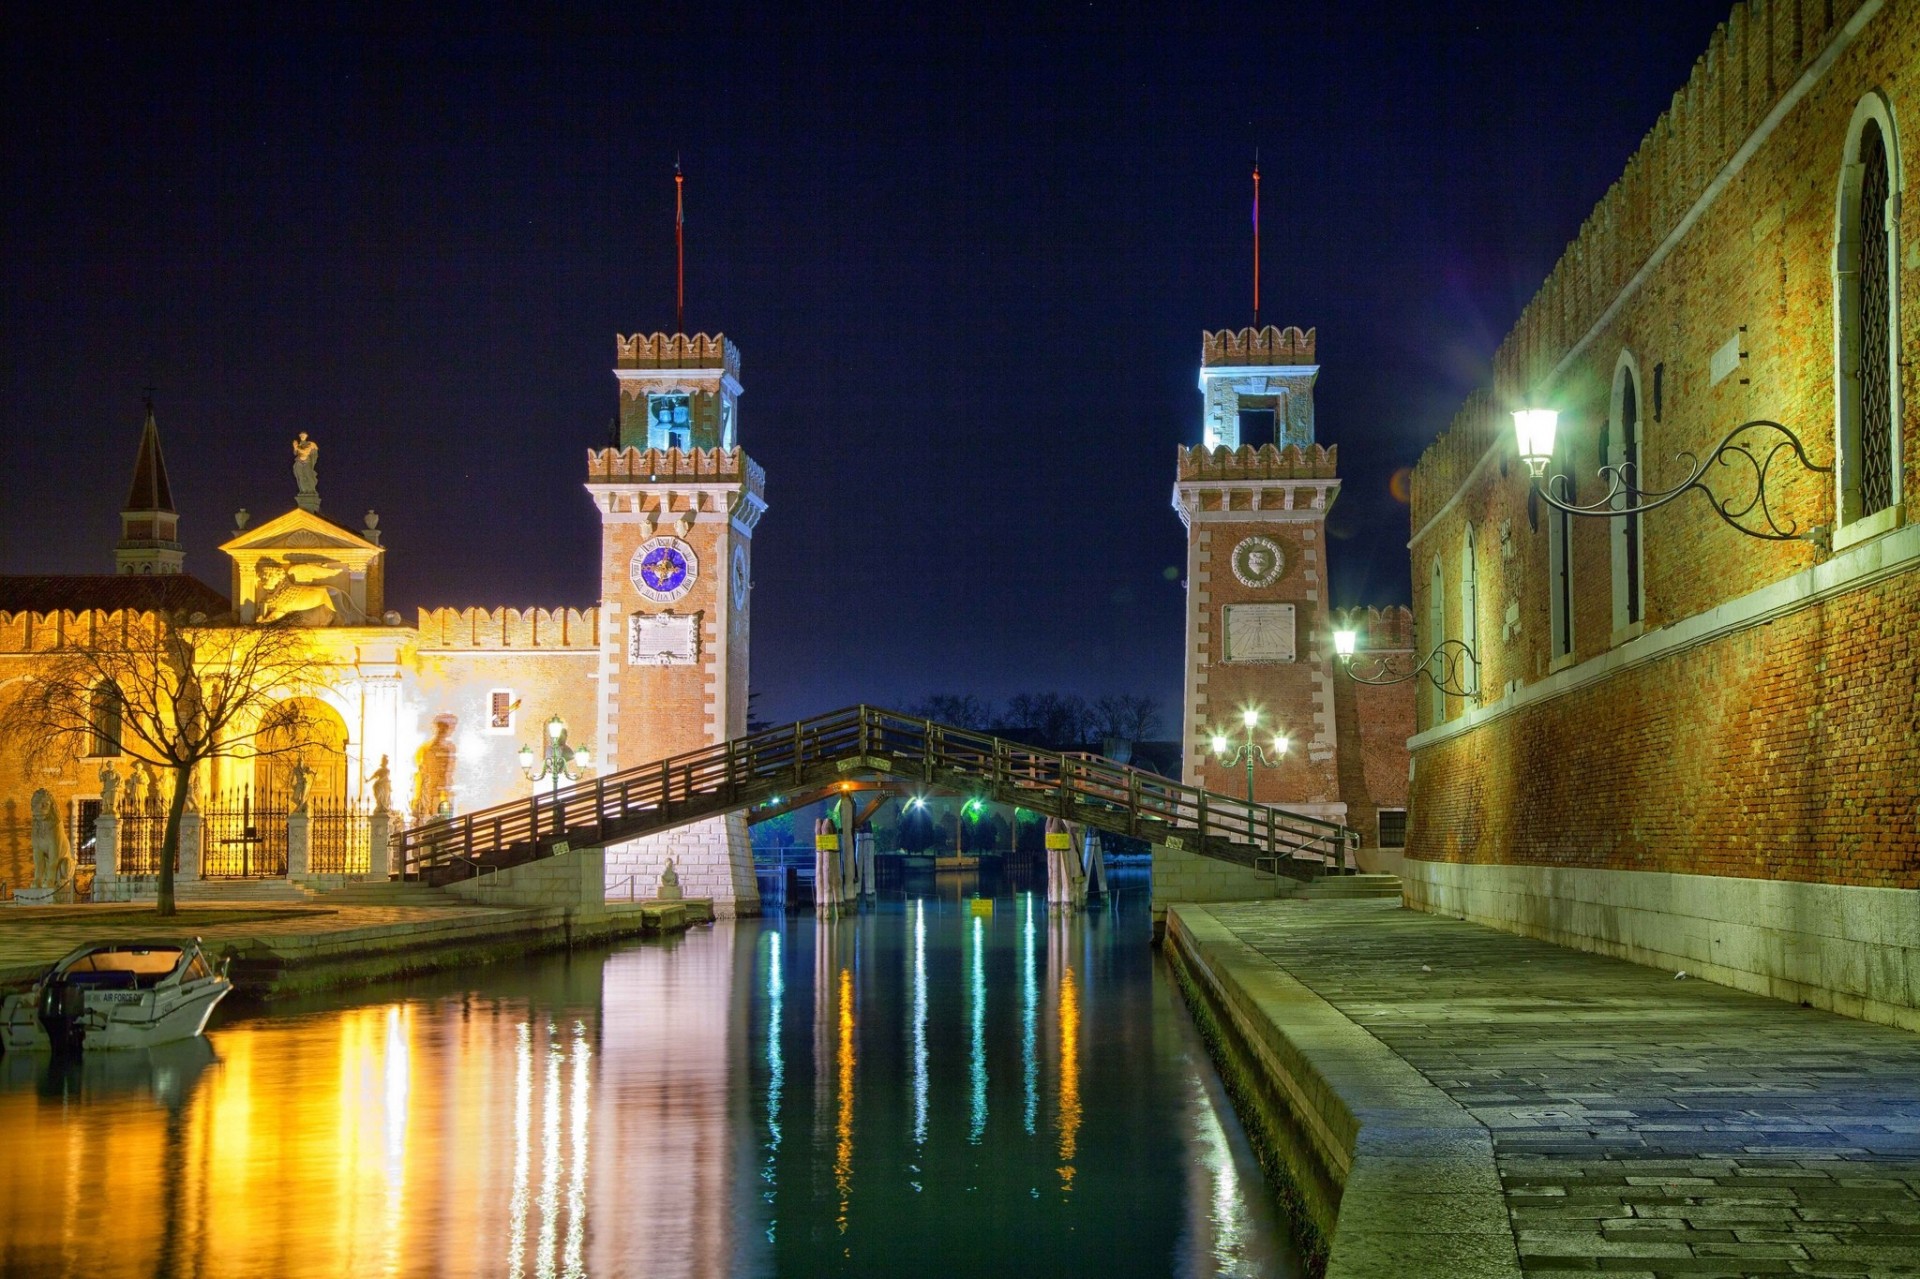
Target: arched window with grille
1623 453
104 715
1435 631
1469 666
1866 314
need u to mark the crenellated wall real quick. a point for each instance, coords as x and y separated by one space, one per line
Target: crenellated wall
510 628
1267 345
1314 462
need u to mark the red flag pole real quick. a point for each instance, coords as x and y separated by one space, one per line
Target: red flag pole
679 251
1256 239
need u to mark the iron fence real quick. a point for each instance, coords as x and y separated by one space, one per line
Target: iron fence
137 853
337 837
241 838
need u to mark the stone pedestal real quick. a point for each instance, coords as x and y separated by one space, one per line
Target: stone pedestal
106 844
190 827
379 844
299 837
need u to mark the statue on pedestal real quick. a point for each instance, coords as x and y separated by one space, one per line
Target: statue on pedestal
109 790
669 883
302 780
382 780
306 466
137 781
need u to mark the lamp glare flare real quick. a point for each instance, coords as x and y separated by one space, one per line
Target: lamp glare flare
1533 430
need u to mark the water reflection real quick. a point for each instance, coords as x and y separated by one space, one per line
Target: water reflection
636 1113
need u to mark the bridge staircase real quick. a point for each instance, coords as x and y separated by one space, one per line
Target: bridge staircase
814 757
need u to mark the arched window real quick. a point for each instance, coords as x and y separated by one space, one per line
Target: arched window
1866 309
1469 667
1436 630
103 714
1623 452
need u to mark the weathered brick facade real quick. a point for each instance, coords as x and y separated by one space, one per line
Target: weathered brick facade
1758 719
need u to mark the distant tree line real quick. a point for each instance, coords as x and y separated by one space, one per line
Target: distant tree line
1057 720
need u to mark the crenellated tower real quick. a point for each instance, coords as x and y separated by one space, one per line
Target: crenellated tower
1254 496
679 501
149 526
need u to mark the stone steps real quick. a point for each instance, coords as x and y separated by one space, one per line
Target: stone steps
239 890
1352 886
383 893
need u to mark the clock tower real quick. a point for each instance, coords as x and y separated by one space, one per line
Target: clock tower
1254 496
679 500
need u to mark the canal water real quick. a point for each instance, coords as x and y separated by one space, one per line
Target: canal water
933 1087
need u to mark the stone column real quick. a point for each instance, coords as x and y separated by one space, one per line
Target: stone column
106 844
298 838
189 846
379 841
863 859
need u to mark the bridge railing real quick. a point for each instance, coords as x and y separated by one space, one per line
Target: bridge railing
748 769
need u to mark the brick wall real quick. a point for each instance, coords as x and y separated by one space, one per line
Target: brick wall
1781 746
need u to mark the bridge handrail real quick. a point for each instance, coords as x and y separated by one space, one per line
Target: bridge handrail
875 740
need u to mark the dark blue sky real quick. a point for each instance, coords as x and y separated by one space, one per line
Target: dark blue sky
968 265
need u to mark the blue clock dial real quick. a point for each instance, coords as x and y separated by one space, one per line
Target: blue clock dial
663 569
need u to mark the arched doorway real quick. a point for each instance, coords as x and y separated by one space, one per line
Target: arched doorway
319 740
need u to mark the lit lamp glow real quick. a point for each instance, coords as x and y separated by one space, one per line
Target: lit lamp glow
1533 430
559 761
1249 750
1344 642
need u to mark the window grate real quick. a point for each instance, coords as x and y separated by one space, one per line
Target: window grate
1876 399
1393 828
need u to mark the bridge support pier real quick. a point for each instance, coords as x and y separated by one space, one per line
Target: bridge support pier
1062 892
828 890
712 857
1094 862
863 863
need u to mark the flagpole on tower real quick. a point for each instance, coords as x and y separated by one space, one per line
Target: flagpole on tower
1256 237
679 250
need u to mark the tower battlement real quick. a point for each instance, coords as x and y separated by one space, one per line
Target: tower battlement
633 465
1256 347
1314 462
1385 630
676 351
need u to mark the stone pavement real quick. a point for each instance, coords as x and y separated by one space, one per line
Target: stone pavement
1640 1124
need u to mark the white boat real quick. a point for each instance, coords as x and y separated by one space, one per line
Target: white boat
116 995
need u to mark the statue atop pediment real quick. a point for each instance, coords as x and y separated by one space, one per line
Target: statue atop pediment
306 473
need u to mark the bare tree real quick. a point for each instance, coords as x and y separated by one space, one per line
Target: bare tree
962 710
169 694
1127 717
1056 719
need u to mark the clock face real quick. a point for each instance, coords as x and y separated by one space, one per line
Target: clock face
1258 561
739 577
663 569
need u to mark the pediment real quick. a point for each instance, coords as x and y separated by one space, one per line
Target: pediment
299 530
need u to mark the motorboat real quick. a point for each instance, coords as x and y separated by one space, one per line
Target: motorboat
116 995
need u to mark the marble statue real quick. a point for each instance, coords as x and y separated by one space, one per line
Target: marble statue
137 781
382 780
302 782
109 790
306 462
156 804
52 861
669 883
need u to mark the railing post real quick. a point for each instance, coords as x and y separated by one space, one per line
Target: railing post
1201 820
666 788
1133 803
866 734
799 750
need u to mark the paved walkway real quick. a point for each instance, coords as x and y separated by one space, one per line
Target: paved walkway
31 937
1640 1124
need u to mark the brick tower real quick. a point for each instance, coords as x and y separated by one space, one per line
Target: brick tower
1254 497
678 502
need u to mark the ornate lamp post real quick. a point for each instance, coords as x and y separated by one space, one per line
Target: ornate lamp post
1450 665
559 762
1751 446
1249 750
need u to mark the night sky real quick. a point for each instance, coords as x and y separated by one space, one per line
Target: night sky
967 265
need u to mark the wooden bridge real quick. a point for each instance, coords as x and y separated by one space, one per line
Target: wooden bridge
810 758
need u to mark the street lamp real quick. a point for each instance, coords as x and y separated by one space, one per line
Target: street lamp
1750 445
1456 666
558 762
1249 750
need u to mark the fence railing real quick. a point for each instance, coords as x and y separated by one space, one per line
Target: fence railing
141 836
242 837
813 753
337 834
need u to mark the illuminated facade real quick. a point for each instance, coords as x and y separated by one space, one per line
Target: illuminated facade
659 666
1694 748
